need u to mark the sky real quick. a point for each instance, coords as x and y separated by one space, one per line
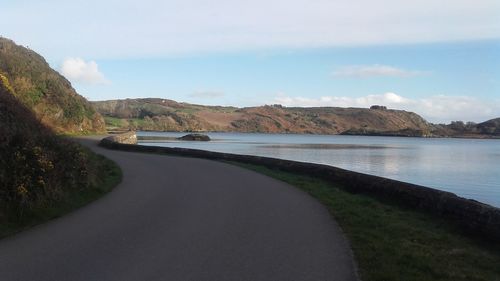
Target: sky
440 59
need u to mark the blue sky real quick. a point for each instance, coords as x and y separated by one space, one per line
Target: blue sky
441 60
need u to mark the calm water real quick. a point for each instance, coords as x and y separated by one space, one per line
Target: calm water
466 167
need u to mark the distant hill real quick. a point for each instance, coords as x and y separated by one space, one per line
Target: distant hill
490 128
168 115
46 92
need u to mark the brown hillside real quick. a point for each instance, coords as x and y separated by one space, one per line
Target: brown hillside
168 115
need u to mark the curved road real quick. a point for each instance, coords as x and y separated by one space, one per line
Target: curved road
175 218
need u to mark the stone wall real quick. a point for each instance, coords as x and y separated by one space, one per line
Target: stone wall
474 217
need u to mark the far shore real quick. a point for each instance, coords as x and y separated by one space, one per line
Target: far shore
159 138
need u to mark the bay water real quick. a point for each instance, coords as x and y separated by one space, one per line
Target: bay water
467 167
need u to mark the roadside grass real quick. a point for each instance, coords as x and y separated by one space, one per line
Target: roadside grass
391 242
109 175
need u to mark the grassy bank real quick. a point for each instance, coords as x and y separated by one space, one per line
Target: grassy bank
106 175
391 242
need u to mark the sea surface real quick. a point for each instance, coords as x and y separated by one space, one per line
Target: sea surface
467 167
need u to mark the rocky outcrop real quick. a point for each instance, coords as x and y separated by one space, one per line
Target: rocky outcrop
195 137
125 138
378 107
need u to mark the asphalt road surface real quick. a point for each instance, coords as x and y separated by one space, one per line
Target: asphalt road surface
175 218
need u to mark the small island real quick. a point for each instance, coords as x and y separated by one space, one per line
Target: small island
195 137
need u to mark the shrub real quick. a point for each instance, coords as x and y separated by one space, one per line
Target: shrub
37 168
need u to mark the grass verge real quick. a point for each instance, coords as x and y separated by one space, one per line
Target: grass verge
391 242
108 176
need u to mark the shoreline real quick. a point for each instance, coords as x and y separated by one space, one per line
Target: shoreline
388 237
462 166
473 216
472 137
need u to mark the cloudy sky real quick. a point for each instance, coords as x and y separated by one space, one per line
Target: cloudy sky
440 59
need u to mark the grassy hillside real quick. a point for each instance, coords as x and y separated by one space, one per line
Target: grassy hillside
167 115
50 96
42 175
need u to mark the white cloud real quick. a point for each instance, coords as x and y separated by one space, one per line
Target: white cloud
207 94
376 70
435 109
78 70
168 27
390 99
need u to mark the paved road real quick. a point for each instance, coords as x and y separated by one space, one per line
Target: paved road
175 218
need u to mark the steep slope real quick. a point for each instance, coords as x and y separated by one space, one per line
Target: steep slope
46 92
168 115
38 169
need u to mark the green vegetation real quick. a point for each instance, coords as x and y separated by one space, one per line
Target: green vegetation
48 94
168 115
391 242
152 114
113 122
130 123
42 175
105 177
155 115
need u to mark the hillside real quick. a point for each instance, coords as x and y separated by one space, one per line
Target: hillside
168 115
43 90
154 114
490 128
41 174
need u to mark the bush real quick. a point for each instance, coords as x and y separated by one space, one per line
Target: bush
37 168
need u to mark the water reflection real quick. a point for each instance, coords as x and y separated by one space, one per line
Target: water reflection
469 168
